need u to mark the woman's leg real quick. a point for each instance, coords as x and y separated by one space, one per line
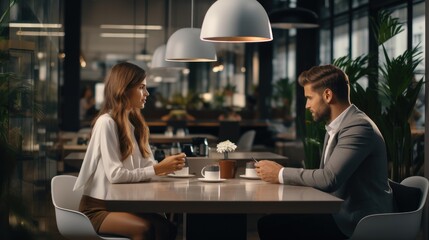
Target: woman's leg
138 226
128 225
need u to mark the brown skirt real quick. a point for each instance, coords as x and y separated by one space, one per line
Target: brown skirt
94 209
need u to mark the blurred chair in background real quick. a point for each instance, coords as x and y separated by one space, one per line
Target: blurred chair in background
245 142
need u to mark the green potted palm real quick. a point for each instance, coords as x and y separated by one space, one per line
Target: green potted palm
392 103
283 91
314 133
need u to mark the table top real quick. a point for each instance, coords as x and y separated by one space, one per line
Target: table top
243 156
210 123
190 195
213 155
162 138
153 139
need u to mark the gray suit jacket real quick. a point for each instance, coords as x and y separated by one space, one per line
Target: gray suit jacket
355 170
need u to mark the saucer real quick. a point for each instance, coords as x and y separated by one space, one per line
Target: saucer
212 180
247 177
181 176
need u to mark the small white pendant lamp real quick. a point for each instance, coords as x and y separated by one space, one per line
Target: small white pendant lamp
158 60
236 21
185 45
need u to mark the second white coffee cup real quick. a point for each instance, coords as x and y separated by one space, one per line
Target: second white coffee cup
211 172
250 170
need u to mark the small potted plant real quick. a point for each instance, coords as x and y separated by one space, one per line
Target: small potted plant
226 147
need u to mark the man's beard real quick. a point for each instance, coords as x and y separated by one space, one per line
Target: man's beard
323 116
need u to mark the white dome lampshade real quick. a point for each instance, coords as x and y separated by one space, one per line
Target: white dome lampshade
236 21
158 60
185 45
289 18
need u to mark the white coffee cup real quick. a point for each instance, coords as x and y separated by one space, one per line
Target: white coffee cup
182 172
250 170
211 172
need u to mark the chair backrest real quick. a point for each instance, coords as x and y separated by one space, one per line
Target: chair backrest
63 195
245 142
71 223
395 226
229 130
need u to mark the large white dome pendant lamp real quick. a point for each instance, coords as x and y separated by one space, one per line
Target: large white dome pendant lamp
158 60
185 45
236 21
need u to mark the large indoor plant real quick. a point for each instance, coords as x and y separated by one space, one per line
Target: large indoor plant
392 102
283 93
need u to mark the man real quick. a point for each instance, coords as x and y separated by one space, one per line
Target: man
353 164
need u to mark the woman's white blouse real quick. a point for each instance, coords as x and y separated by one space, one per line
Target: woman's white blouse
102 164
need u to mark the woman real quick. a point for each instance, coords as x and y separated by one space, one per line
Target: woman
119 152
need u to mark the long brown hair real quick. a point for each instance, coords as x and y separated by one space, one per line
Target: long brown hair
122 78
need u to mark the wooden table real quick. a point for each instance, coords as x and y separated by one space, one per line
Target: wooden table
155 138
210 123
167 194
224 204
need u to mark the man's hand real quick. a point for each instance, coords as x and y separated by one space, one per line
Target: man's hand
268 170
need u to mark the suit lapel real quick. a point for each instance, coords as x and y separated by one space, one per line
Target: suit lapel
331 147
322 159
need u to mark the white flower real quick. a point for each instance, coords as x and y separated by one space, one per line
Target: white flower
226 146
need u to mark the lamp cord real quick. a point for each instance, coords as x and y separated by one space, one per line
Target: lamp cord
134 29
146 6
192 13
169 17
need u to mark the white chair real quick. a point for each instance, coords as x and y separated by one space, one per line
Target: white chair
395 226
245 142
71 223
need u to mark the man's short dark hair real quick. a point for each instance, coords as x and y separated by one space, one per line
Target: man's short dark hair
327 76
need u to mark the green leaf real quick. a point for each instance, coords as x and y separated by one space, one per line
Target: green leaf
385 27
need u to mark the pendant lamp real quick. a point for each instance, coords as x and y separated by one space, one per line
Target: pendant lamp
158 60
289 18
185 45
236 21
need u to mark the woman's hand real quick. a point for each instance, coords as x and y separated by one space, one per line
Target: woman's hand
170 164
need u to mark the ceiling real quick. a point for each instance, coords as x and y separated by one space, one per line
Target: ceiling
133 12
